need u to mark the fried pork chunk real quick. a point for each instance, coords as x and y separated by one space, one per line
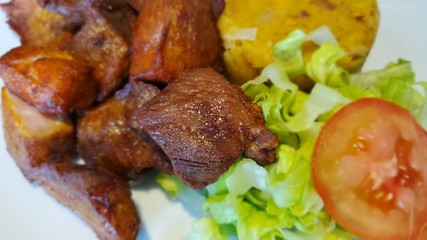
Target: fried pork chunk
217 6
105 139
36 26
51 80
103 40
203 124
137 4
99 196
97 32
33 138
171 36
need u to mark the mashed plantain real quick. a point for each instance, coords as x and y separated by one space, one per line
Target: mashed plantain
250 28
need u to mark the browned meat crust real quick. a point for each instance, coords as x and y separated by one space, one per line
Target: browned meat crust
35 25
203 124
99 196
33 138
137 4
51 80
76 51
43 148
216 7
104 38
105 139
171 36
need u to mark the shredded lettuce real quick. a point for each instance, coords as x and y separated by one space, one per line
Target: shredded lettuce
200 227
322 67
279 201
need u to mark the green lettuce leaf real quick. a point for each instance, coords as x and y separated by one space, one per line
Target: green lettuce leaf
206 228
395 83
323 68
279 201
421 114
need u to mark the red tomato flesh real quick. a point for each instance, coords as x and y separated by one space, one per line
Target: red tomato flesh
370 168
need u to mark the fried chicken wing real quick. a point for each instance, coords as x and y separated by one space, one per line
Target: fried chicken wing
51 80
203 124
99 196
171 36
33 138
105 139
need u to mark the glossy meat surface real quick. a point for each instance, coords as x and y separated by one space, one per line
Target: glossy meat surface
203 124
51 80
171 36
105 139
99 196
217 6
137 4
36 26
103 40
33 138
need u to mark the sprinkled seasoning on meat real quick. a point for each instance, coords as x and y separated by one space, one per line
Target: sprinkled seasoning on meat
203 124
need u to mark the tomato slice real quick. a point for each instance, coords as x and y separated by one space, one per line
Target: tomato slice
370 168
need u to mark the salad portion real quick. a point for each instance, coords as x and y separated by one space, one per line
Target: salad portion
290 199
280 201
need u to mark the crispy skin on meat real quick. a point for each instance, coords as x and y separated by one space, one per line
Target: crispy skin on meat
99 196
35 25
105 139
203 124
172 36
137 4
33 138
51 80
104 38
216 7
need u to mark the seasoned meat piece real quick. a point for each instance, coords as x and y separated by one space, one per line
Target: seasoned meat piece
51 80
35 25
99 196
172 36
216 7
137 4
104 38
105 139
115 14
33 138
203 124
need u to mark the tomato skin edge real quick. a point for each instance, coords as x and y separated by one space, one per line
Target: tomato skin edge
320 144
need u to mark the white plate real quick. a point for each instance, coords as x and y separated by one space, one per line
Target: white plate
28 212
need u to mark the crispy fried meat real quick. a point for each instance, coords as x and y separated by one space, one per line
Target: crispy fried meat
35 25
171 36
33 138
99 196
203 124
137 4
103 41
105 139
216 7
51 80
